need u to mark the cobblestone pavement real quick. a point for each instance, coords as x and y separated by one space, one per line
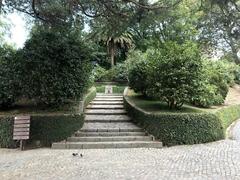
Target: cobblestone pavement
214 161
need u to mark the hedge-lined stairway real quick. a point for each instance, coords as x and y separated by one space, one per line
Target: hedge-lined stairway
108 126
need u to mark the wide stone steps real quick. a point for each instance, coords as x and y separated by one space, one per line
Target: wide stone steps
105 106
105 111
107 138
106 102
108 99
104 134
107 125
106 118
104 145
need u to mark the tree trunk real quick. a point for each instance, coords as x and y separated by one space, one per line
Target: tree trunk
112 54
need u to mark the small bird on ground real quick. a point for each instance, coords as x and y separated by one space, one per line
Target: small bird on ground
76 154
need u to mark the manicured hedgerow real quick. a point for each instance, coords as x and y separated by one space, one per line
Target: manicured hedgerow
183 128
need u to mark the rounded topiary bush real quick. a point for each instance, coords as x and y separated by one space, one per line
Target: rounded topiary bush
55 66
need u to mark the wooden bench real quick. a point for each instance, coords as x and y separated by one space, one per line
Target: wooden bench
21 129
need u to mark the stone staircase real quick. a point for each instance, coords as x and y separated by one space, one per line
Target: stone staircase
108 126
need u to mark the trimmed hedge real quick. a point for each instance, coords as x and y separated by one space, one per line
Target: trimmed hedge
49 129
44 128
6 132
184 128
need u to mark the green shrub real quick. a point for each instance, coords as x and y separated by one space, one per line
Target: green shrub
6 132
216 77
118 73
237 74
98 73
174 73
137 65
55 67
8 77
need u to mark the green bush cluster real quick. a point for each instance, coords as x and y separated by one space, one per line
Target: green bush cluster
177 74
184 128
52 68
44 128
215 79
118 73
170 73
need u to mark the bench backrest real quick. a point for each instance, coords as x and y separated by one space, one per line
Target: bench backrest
21 128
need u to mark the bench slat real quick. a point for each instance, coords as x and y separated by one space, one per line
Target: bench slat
21 125
21 134
20 137
27 121
21 130
22 117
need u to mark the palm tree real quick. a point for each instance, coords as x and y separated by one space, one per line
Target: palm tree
124 41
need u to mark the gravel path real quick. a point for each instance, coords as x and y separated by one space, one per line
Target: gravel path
218 160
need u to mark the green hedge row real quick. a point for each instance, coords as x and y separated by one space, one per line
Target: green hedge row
44 128
184 128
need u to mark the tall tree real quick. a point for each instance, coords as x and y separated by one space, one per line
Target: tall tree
220 25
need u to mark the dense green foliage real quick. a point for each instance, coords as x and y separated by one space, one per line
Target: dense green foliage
138 71
216 77
170 73
43 128
54 67
173 73
118 73
9 84
183 128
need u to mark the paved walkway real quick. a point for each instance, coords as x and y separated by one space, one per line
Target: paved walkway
213 161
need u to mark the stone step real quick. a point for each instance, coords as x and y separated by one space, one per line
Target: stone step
113 130
115 125
105 111
103 145
105 106
112 118
108 99
107 139
108 96
106 102
106 134
113 94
